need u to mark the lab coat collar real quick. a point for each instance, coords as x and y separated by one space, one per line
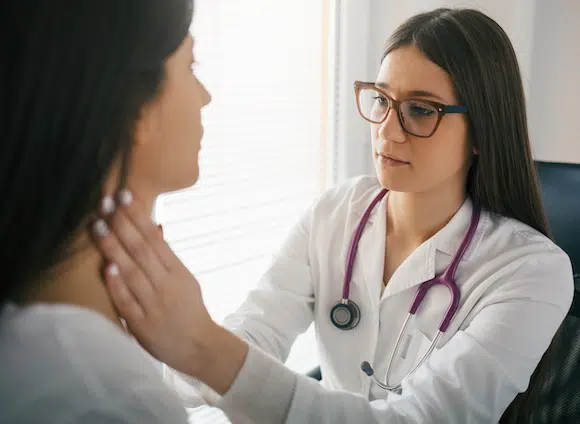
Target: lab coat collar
420 265
360 204
449 238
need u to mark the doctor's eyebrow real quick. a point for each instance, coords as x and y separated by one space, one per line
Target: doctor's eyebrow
412 93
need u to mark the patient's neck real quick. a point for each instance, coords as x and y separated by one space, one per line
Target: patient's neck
77 279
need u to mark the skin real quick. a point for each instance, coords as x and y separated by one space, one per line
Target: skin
167 138
161 300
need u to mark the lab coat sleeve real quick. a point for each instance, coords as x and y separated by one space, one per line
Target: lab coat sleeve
192 392
472 379
281 306
273 315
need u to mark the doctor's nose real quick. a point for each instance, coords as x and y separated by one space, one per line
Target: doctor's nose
390 129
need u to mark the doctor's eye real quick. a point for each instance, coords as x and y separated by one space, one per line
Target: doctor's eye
381 100
420 110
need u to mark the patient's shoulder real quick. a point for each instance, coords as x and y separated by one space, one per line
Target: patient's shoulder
62 362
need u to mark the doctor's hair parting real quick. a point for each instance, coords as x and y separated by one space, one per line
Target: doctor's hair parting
74 78
478 55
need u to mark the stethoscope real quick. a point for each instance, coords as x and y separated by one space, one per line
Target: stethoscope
345 315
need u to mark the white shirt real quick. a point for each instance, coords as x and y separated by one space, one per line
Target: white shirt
64 364
516 288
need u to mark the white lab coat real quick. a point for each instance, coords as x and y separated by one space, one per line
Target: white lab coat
516 288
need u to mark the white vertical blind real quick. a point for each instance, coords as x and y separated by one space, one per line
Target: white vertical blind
264 151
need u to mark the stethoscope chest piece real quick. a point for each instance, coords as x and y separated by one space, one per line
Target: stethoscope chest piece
345 314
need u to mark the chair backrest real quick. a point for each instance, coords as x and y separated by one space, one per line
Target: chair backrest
560 185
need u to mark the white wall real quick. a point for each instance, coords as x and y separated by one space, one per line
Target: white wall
544 34
554 101
351 58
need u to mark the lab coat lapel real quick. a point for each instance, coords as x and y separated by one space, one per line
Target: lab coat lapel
373 259
449 239
416 269
368 269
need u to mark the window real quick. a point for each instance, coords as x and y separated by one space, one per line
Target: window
264 151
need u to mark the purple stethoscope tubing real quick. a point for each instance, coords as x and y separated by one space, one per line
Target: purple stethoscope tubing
354 244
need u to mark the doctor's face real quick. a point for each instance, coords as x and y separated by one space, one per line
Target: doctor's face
405 162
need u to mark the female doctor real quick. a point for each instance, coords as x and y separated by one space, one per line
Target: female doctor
436 276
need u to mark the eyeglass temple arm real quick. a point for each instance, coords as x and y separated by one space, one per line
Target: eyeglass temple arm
454 109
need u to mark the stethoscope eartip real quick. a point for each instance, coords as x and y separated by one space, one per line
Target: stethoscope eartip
367 369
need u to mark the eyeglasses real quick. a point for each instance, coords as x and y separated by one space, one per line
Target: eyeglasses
420 118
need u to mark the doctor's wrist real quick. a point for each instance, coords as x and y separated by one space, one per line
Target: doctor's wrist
218 357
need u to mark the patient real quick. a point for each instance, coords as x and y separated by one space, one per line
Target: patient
94 95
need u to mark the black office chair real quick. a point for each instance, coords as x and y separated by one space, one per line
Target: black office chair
560 398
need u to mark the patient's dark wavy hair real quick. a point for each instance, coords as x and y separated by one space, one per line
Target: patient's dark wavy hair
74 77
481 60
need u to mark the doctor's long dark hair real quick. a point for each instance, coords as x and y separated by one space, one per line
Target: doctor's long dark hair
480 58
74 77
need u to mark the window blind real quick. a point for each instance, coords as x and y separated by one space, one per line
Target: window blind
264 151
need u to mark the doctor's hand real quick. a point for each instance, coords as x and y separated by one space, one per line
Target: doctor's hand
159 298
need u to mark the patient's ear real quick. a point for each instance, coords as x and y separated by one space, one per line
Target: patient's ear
147 126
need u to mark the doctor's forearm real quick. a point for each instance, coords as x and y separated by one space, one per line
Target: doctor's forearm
252 383
217 358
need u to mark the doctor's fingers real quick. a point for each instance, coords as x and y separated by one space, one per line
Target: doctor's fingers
138 248
123 300
133 216
136 322
132 292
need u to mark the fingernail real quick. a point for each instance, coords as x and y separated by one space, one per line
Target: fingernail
125 197
107 205
113 270
100 228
